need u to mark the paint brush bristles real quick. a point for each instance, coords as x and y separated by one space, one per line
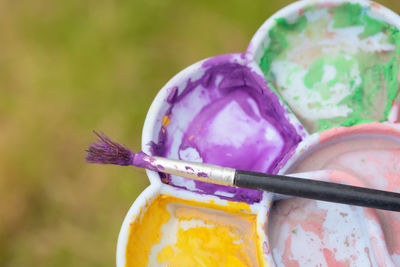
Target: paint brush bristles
106 151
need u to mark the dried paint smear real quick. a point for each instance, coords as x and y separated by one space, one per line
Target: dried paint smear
307 233
334 66
176 232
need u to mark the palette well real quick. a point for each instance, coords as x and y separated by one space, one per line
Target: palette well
317 89
365 155
190 233
221 111
171 230
333 62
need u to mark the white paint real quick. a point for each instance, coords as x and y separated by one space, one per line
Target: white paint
190 154
224 194
183 182
309 253
396 259
347 232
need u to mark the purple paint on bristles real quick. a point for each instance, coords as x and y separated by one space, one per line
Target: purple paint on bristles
106 151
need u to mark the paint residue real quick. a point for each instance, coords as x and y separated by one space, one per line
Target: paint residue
334 66
312 233
228 117
339 229
176 232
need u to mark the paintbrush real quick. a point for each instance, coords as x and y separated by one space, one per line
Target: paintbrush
106 151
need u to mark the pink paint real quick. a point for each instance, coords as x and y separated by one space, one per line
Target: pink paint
326 5
371 128
310 228
375 6
313 223
369 257
331 261
287 261
366 155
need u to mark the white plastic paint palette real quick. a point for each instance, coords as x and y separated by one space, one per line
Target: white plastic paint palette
229 111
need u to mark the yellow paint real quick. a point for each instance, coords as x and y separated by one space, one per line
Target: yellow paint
206 234
145 232
202 246
166 121
239 205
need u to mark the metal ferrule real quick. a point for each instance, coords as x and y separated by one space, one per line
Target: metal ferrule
196 171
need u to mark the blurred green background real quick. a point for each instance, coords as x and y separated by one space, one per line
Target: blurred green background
68 67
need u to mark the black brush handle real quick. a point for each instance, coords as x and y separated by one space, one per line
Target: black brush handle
319 190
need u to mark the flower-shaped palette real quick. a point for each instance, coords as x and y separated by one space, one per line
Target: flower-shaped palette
311 93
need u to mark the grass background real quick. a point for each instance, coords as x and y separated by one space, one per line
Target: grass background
68 67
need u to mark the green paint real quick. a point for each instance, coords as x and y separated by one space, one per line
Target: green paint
278 42
347 15
390 71
378 72
313 78
377 79
315 73
338 121
373 26
297 25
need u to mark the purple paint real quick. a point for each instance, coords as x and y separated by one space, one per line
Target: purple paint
172 95
266 247
188 168
160 167
142 160
106 151
229 117
202 174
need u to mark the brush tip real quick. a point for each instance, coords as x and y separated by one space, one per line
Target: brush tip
106 151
